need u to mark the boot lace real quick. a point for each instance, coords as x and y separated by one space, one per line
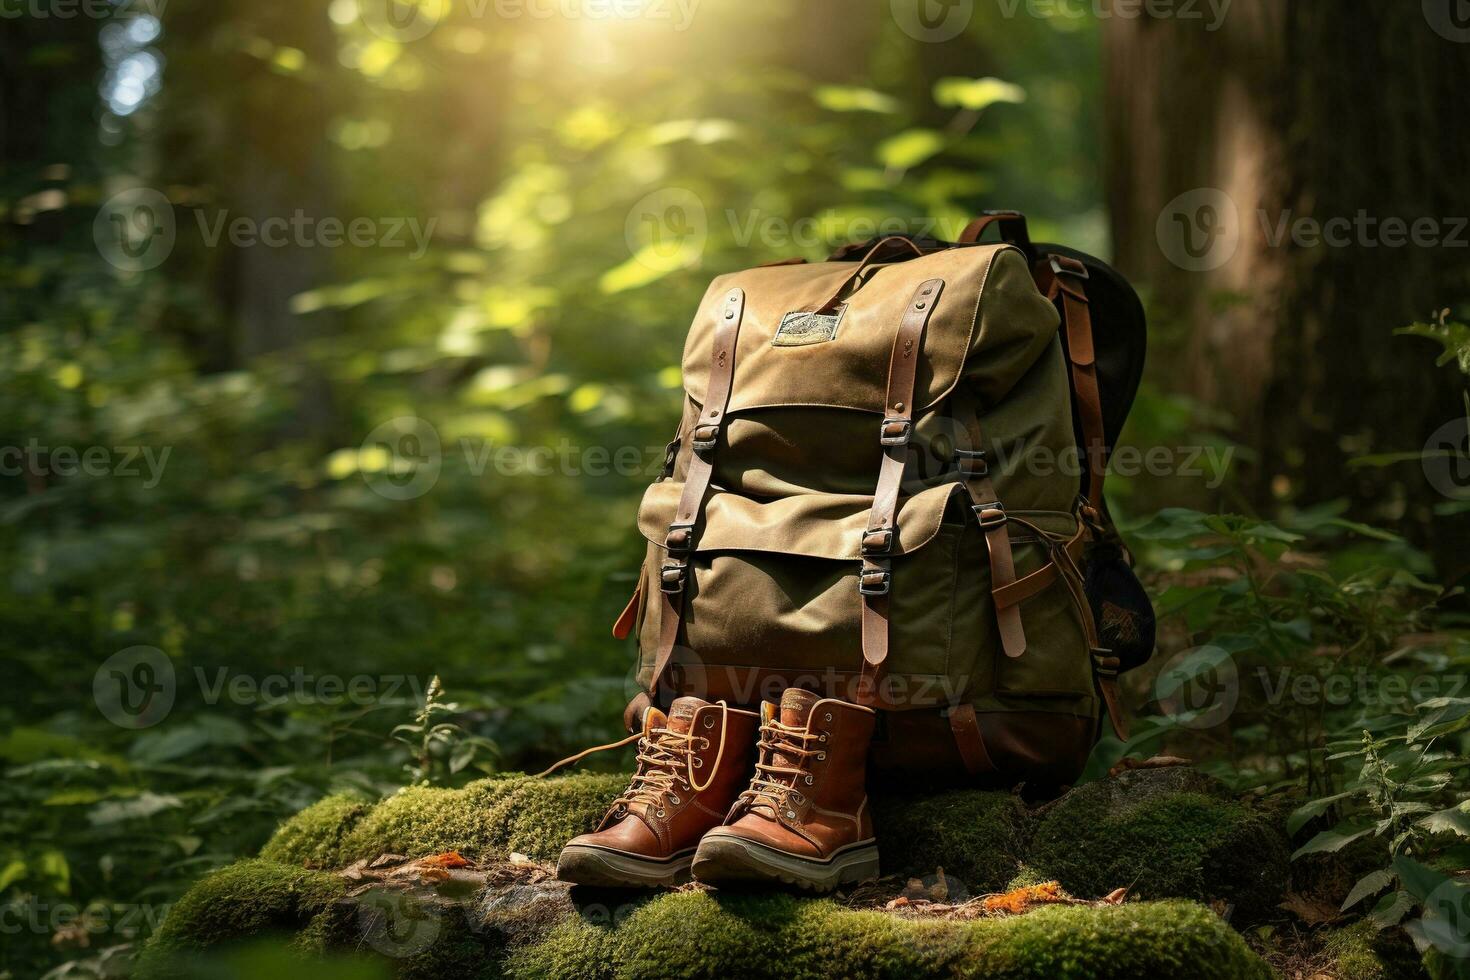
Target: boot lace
665 763
774 783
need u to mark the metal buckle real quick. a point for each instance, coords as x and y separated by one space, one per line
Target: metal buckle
1059 269
671 577
680 539
878 541
972 462
875 581
901 437
705 437
998 518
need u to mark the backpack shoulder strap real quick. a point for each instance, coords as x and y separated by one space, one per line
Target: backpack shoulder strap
1063 280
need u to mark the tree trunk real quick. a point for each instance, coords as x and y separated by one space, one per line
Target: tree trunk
1227 148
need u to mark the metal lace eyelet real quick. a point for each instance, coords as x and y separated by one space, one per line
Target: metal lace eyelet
709 721
674 800
660 814
823 737
808 780
821 757
827 716
790 814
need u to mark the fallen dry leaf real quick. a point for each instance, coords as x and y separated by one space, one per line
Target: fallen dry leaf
1310 910
1114 897
449 859
1022 899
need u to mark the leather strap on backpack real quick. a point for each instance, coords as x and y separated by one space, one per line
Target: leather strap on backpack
985 502
674 575
876 578
1062 278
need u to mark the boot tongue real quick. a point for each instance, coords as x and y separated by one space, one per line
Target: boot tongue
681 713
654 719
796 707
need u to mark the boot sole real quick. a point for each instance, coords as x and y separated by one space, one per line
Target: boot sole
729 859
602 867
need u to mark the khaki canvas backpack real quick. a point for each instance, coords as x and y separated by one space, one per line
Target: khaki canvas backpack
887 487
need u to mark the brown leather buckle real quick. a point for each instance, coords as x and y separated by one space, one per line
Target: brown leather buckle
705 437
1064 266
895 432
972 462
991 516
875 581
1104 663
671 577
680 540
878 542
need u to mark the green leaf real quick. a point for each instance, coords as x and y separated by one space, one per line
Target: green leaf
11 873
1369 884
1307 812
1454 338
1332 840
852 98
1455 820
975 94
1391 909
909 149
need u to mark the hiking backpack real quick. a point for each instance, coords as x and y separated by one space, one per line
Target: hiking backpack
887 487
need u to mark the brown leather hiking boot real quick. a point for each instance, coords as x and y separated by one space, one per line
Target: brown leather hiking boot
804 818
691 766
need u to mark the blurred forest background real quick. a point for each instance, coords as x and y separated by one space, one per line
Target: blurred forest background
339 339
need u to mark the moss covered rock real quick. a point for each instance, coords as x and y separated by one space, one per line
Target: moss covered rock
1163 833
978 838
248 900
313 838
1167 833
694 934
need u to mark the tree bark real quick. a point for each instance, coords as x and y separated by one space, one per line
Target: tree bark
1291 114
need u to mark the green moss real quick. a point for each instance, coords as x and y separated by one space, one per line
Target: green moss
978 838
313 838
490 817
1352 952
696 935
244 901
1161 843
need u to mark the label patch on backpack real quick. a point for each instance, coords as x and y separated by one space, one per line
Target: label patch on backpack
799 329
